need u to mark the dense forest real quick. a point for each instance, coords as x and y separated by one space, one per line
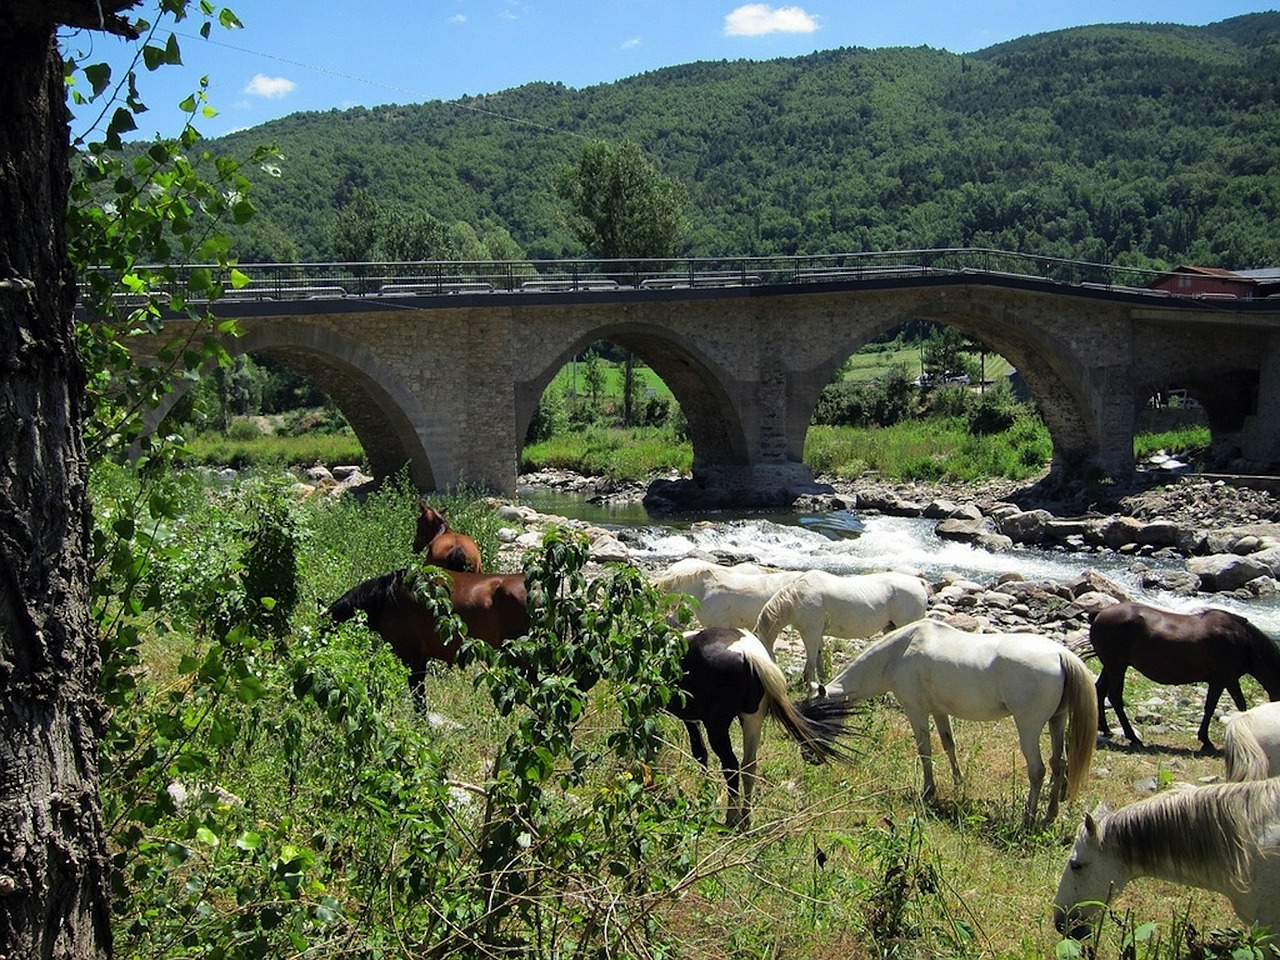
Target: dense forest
1147 145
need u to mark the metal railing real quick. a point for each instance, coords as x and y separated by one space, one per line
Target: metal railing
305 281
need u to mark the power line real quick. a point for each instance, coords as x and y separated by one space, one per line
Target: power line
415 94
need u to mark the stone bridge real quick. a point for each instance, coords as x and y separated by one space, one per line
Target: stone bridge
447 384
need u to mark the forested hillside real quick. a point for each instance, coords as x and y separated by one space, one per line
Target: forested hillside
1146 145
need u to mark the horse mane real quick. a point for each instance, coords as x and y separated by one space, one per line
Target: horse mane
372 596
682 574
1189 831
1266 648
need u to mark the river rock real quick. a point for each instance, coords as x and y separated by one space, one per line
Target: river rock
965 530
1027 526
1182 583
1159 533
1117 532
1226 571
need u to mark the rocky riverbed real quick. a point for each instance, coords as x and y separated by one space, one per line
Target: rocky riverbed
1197 537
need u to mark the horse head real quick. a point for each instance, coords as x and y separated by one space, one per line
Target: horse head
1088 880
431 523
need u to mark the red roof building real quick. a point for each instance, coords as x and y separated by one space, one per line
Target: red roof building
1214 282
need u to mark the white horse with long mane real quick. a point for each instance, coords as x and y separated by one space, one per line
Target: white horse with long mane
727 596
1251 743
1224 837
818 604
935 670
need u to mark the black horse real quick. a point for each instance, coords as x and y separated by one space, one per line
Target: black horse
728 673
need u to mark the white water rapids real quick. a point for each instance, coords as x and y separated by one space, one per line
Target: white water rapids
861 544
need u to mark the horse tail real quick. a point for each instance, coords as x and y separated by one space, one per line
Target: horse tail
776 613
1244 755
817 725
1081 697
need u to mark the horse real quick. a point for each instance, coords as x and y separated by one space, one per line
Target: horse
1251 743
445 547
936 670
729 597
728 673
818 603
1223 837
492 606
1173 648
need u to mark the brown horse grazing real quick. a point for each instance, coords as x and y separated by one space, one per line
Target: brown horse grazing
445 547
1172 648
493 607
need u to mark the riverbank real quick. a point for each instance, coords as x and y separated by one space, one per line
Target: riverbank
1162 531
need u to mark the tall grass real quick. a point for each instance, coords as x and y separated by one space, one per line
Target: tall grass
843 862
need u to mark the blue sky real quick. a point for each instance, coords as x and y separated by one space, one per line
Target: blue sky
292 56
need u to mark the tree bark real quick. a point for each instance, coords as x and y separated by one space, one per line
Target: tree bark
53 854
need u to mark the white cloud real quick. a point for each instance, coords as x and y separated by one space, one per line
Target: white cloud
631 44
758 19
275 87
458 18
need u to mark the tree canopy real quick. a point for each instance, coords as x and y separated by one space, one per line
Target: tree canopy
1147 145
620 205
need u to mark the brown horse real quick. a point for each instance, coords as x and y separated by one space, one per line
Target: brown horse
1213 646
445 547
493 607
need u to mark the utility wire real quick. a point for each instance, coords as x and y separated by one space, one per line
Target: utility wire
416 94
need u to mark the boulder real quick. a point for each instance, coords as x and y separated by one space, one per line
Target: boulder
965 530
1226 571
1027 526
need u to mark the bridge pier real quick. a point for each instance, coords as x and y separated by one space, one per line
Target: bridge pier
1260 438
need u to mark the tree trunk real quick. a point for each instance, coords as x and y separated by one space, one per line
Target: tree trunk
53 856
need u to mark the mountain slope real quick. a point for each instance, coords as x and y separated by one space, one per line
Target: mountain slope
1144 144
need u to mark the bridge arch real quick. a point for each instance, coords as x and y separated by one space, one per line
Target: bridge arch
716 421
374 398
1057 380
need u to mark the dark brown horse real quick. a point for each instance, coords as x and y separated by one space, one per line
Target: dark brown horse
1212 646
445 547
493 607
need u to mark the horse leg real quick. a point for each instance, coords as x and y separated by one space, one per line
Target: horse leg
943 723
1029 740
812 654
1211 699
1115 694
418 686
1104 728
919 721
752 724
1057 764
722 744
696 745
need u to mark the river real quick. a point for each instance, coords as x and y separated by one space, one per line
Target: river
845 543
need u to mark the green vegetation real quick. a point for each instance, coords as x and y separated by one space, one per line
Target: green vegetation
1146 145
270 790
1190 439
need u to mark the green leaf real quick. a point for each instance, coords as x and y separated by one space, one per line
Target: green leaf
207 836
249 841
99 76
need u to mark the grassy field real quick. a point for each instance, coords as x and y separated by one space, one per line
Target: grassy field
845 862
841 861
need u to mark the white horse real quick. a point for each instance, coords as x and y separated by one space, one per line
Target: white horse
727 596
821 604
936 670
1251 743
1224 837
